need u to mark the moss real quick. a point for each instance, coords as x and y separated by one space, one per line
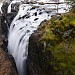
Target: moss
72 23
54 51
59 36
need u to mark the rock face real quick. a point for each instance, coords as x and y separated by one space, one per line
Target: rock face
7 63
4 7
7 18
52 47
36 58
5 21
7 66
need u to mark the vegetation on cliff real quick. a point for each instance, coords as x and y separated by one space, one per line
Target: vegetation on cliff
59 35
54 48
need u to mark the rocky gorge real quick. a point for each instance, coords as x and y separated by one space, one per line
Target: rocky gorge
7 63
51 49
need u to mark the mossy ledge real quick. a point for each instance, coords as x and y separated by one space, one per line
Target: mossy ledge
52 47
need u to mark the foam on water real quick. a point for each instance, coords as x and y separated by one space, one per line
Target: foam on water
22 27
24 24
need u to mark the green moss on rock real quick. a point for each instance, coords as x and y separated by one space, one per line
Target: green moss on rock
57 39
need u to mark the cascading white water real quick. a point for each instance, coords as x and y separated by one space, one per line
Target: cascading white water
25 23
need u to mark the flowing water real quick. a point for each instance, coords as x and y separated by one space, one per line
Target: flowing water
24 24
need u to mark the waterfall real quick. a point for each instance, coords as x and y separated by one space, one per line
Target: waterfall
24 24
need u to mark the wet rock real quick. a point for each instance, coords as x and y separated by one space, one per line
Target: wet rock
28 31
7 64
15 7
25 16
33 8
35 13
36 19
7 18
40 13
36 61
10 17
0 25
4 7
1 41
4 26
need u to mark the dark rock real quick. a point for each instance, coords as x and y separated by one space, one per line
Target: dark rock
1 41
28 31
21 28
0 25
15 7
35 13
10 17
6 18
4 7
25 16
40 13
7 63
4 26
36 19
19 18
36 58
33 8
